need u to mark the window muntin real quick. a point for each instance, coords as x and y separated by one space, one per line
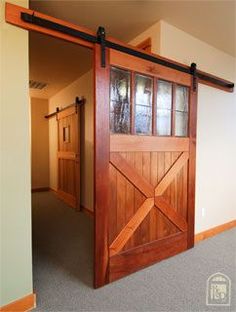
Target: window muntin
119 101
143 104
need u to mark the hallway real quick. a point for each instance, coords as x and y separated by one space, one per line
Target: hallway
58 231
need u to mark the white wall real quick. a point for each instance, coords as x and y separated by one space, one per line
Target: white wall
216 132
154 32
83 86
39 144
216 155
15 187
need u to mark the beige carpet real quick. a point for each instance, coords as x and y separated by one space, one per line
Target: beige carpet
63 267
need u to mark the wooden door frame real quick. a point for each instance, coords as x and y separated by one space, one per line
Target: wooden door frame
101 129
101 168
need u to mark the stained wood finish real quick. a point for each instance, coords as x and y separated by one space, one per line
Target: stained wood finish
165 182
131 226
170 213
136 143
134 178
13 16
214 231
101 167
69 156
151 184
130 173
146 45
192 163
127 61
147 254
24 304
116 198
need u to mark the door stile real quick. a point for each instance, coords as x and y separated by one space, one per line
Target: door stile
132 101
101 166
192 162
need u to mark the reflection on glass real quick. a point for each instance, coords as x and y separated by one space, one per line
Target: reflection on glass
181 114
181 124
182 98
119 101
164 121
143 104
164 107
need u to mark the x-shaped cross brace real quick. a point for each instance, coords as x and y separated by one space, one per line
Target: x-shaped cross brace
154 198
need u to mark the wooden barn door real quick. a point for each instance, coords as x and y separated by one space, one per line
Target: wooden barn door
68 156
145 165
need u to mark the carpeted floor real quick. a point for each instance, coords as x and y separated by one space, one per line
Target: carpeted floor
63 249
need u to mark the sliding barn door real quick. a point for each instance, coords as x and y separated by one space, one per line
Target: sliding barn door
145 118
68 156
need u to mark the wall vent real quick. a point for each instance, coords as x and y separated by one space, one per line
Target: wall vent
37 84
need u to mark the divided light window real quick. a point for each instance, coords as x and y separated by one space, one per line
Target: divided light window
143 105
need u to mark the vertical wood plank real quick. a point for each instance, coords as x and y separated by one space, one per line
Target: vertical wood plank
130 194
168 162
153 181
113 204
145 226
185 191
121 201
192 163
174 184
101 167
160 174
180 193
138 197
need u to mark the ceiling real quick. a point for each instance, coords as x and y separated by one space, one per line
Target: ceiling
211 21
55 62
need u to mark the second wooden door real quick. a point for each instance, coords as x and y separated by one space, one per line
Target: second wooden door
69 156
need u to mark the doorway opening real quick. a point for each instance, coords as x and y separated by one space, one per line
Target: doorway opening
62 142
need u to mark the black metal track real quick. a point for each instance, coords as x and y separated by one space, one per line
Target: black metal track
29 18
78 101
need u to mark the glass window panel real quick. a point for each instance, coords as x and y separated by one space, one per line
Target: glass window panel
181 113
66 134
181 124
143 104
120 101
163 121
164 94
143 119
164 107
182 98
